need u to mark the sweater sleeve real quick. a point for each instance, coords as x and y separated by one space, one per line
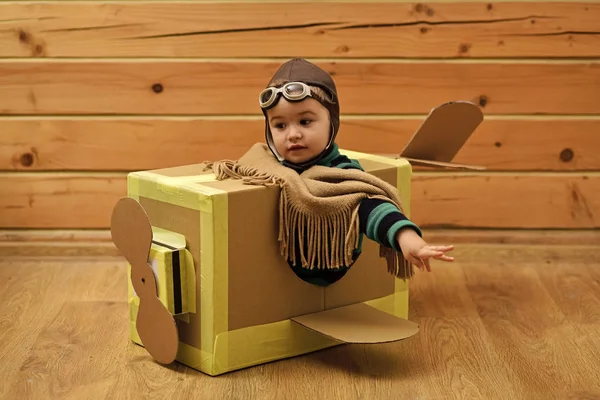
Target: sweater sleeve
381 220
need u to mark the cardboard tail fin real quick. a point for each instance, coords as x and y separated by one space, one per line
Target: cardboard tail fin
440 137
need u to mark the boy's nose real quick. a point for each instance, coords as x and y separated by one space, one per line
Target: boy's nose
295 133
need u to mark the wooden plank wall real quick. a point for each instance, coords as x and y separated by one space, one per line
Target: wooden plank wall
91 90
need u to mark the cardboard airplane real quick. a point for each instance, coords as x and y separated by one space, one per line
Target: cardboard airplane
435 143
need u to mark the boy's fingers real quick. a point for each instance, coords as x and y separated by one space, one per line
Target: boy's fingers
430 253
427 265
444 258
442 248
416 261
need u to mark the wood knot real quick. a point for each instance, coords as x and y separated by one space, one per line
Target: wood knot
430 12
490 6
27 159
39 50
566 155
419 7
24 37
483 100
157 88
343 49
464 48
498 144
424 30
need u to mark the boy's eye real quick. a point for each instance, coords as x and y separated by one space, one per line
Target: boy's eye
305 122
280 126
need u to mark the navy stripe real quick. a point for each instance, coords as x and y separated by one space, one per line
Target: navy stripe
385 226
344 162
176 283
366 208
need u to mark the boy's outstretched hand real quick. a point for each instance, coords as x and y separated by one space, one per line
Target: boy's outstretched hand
418 252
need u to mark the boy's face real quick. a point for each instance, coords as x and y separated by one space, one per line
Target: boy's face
300 130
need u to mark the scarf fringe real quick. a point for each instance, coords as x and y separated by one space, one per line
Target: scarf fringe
330 238
399 266
250 176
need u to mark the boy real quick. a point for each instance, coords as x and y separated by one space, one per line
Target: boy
301 110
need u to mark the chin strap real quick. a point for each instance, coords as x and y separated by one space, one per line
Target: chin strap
304 166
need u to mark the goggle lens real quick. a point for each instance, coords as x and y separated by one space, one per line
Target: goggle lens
294 90
266 96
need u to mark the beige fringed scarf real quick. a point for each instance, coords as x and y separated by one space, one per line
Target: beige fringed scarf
320 205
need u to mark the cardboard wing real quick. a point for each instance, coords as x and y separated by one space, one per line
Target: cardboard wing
443 133
358 323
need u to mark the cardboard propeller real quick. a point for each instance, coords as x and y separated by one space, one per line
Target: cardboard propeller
442 135
132 234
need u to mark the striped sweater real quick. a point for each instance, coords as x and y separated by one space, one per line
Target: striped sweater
379 220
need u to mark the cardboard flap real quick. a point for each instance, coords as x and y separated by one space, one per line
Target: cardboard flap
358 323
444 132
429 163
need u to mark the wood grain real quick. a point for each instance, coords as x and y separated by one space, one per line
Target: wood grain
129 144
52 201
72 200
506 201
95 243
340 30
509 325
509 300
231 87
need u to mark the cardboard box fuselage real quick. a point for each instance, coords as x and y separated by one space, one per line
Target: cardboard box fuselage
246 296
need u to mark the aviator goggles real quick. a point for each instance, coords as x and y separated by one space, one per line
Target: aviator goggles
293 91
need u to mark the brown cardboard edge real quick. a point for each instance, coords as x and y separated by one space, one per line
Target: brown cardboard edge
431 163
358 323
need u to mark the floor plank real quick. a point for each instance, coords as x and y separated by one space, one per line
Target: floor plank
502 322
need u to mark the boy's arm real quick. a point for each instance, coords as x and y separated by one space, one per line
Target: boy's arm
384 223
381 221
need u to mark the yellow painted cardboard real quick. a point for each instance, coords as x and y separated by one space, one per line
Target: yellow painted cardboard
220 349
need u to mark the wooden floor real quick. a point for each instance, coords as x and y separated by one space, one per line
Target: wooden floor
503 322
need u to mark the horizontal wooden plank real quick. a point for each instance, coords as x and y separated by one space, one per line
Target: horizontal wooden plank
232 87
60 200
99 238
128 144
286 29
97 244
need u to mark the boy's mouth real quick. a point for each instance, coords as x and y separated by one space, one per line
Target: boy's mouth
295 147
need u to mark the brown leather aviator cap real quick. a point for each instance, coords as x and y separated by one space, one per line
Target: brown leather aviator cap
301 70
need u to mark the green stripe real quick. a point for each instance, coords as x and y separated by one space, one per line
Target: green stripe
333 155
352 163
375 218
391 235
